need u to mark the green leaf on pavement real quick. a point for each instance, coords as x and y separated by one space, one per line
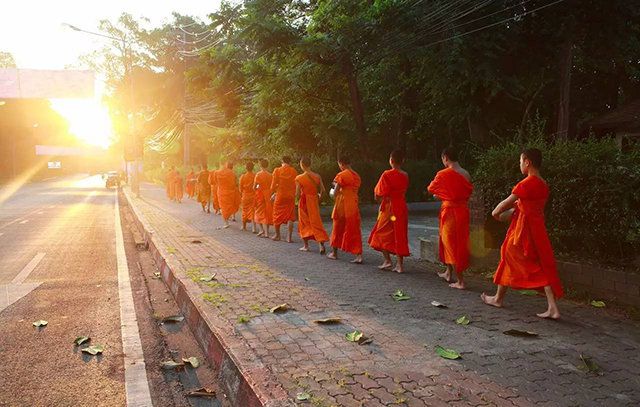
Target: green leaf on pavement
303 396
81 339
156 275
279 308
93 349
598 304
522 334
447 353
463 320
354 336
171 250
208 278
531 293
400 295
171 365
202 392
173 318
328 321
589 365
193 361
244 319
40 322
438 304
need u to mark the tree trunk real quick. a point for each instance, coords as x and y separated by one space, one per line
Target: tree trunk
565 63
478 130
357 108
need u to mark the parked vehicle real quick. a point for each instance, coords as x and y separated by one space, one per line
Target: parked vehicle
112 179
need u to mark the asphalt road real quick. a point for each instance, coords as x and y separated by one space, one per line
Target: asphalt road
59 262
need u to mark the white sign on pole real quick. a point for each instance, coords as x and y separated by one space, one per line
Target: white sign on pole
45 84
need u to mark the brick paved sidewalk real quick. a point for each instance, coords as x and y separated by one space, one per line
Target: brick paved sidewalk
400 366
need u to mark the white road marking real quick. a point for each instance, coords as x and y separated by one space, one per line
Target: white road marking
24 221
24 273
135 373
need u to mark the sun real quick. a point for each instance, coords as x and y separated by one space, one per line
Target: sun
88 120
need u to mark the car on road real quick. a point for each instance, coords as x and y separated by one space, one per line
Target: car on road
112 179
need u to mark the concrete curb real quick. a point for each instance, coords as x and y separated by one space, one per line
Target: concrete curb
246 381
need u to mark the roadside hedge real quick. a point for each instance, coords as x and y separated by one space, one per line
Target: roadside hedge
594 206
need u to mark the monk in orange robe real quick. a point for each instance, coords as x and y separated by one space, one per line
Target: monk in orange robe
171 183
189 183
167 182
213 184
526 255
178 187
309 189
263 204
248 198
227 192
204 190
346 234
283 186
453 187
390 233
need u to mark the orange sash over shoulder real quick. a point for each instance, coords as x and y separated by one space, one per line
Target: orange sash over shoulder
454 190
391 228
346 233
309 220
527 259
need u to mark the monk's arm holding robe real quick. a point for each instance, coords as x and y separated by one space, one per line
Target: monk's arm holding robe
504 210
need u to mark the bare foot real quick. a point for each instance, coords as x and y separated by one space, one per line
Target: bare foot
385 266
332 256
225 227
398 270
357 260
446 275
304 249
260 234
490 300
555 315
275 238
323 251
458 285
289 240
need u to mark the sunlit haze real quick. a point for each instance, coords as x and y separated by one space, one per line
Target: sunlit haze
88 120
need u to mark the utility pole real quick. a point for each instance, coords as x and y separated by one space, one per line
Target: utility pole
186 142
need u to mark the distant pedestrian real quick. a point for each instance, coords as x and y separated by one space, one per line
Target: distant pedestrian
453 187
227 192
204 189
248 197
346 234
526 255
263 205
389 235
190 181
309 189
178 187
283 188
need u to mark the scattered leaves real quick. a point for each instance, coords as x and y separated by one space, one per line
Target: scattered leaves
81 339
39 323
598 304
171 365
303 396
202 392
93 349
196 241
354 336
307 279
171 250
328 321
531 293
173 318
463 320
193 361
208 278
400 295
522 334
438 304
280 308
589 365
156 275
243 319
447 353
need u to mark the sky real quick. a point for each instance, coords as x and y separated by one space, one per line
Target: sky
32 31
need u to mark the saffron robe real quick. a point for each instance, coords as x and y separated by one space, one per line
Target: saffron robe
204 190
284 186
213 184
248 196
391 228
190 182
263 204
167 183
227 192
171 177
346 233
454 190
527 259
178 190
309 220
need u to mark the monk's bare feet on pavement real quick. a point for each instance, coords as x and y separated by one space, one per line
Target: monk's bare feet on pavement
304 249
458 285
550 314
445 275
385 266
398 269
357 260
275 238
289 240
260 234
490 300
332 256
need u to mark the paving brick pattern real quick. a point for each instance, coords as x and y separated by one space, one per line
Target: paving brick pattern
400 366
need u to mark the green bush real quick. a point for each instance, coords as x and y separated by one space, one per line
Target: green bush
594 206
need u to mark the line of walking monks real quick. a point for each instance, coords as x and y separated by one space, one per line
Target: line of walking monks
269 199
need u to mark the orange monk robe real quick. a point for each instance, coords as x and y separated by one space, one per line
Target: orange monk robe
190 184
526 256
227 192
248 199
309 220
167 183
178 187
213 185
204 190
284 186
454 190
263 204
391 228
172 185
346 234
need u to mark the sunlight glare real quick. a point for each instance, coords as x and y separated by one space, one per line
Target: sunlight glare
88 120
